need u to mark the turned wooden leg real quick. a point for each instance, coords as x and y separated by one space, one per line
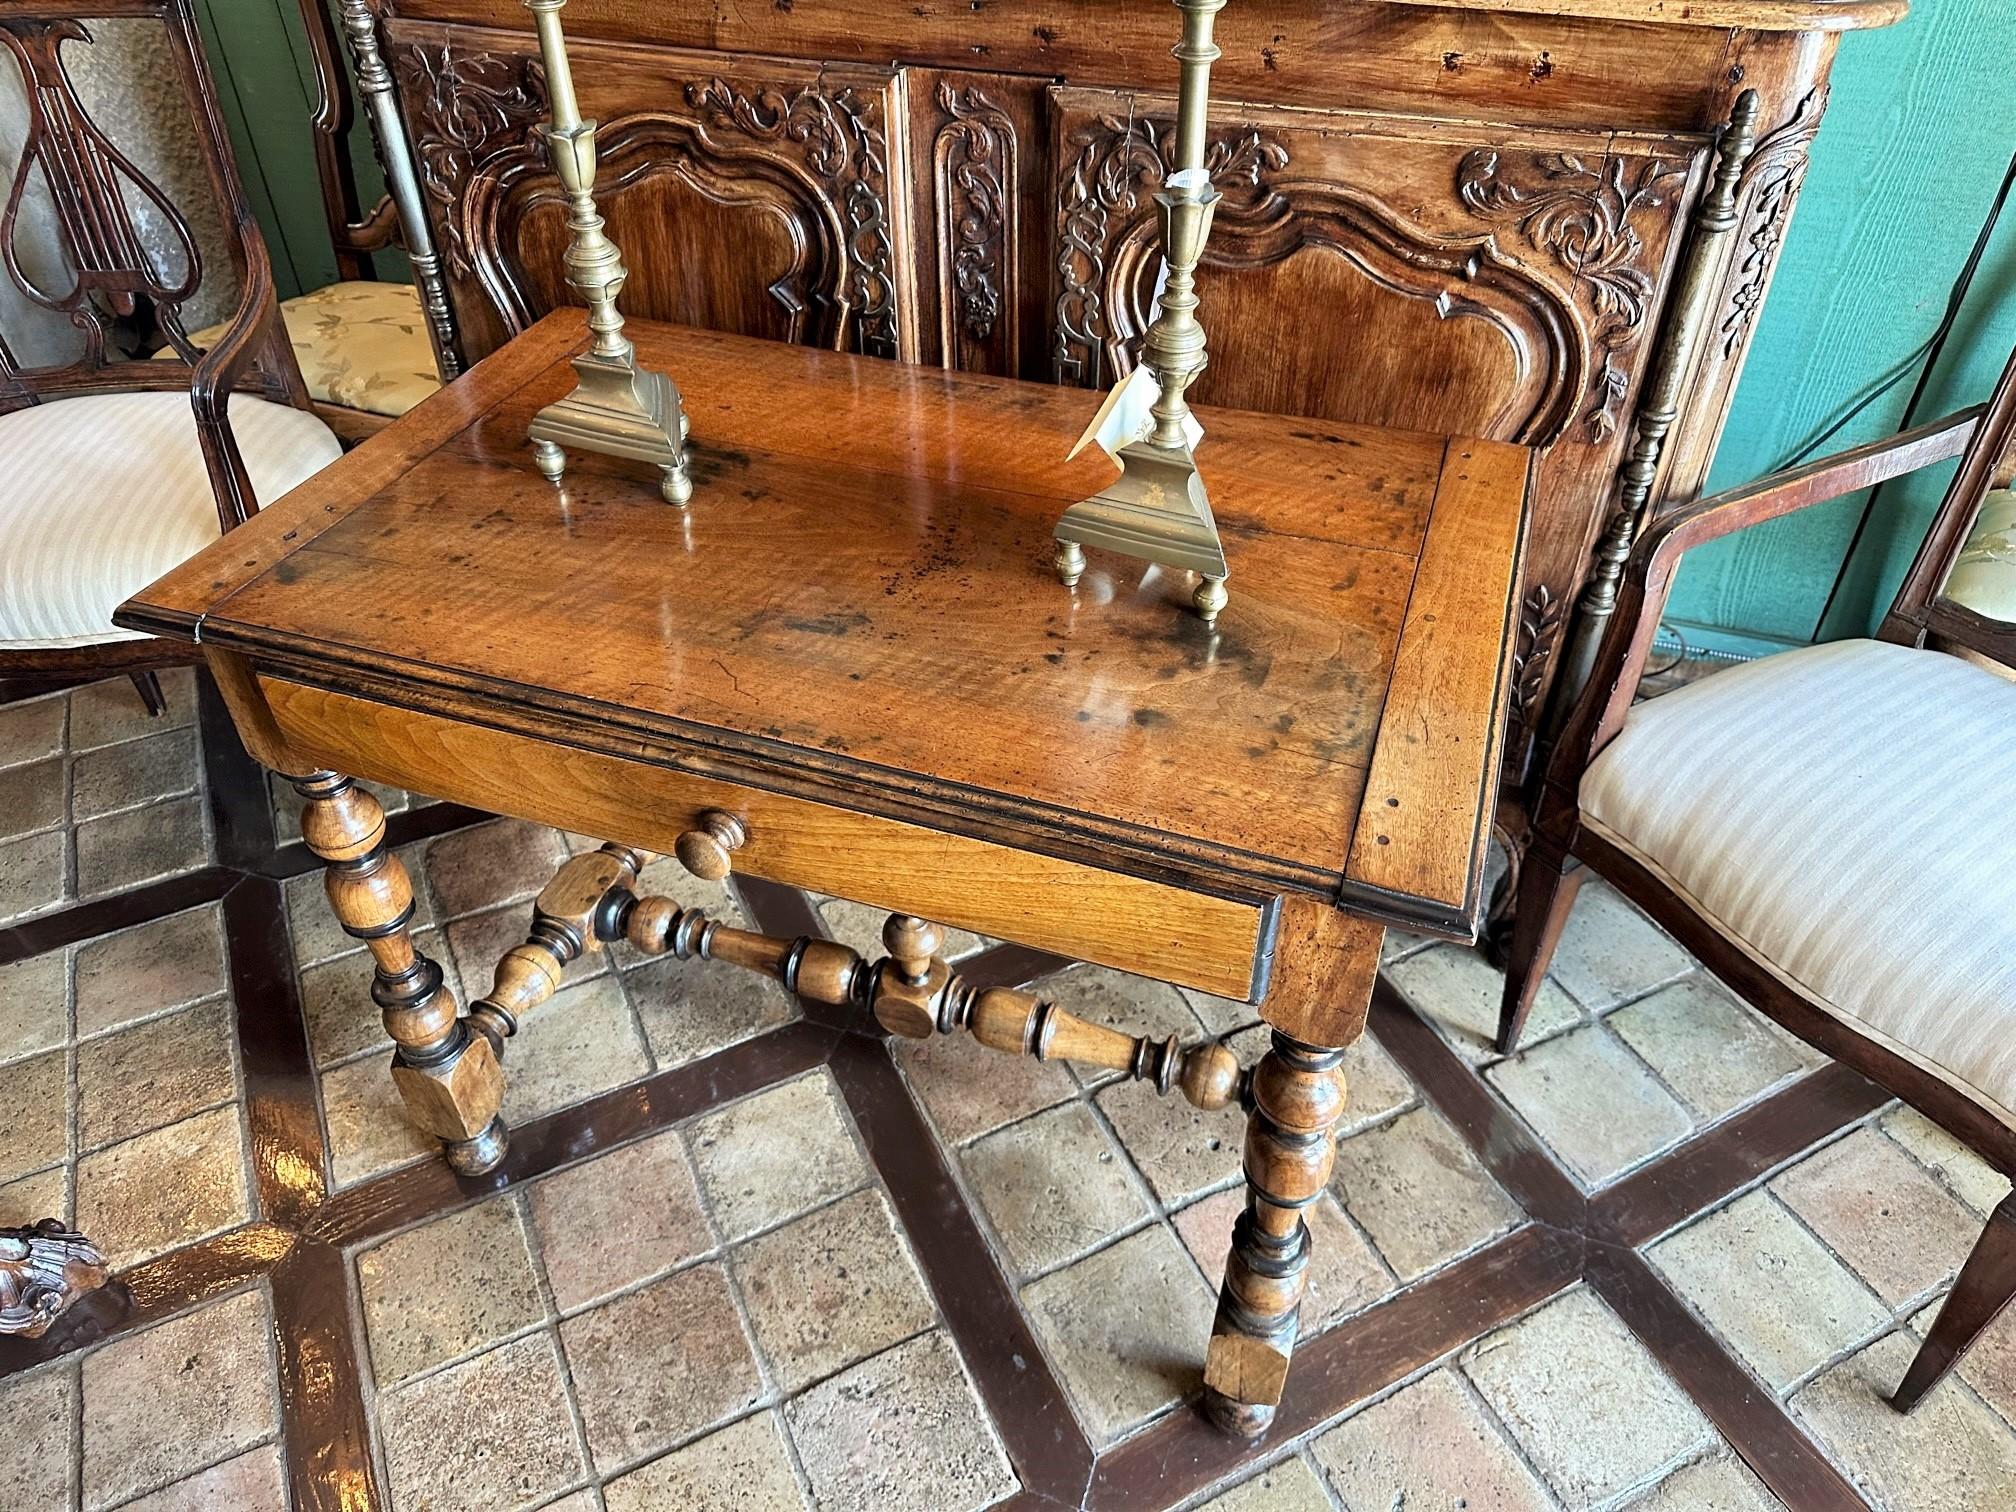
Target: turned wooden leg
1547 888
1297 1094
448 1074
148 686
1985 1286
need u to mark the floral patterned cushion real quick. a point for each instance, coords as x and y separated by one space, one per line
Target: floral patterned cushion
1984 577
361 345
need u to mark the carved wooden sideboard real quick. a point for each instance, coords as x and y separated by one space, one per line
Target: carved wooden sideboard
1456 215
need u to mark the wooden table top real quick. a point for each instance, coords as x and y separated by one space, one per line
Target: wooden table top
860 602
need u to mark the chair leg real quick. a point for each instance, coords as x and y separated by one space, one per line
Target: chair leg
148 686
1985 1285
1547 888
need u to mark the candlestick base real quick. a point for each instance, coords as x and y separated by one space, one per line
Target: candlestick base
620 410
1156 511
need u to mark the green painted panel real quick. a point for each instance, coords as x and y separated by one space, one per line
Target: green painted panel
258 52
1907 163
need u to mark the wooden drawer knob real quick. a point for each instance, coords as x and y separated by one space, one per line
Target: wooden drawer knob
707 851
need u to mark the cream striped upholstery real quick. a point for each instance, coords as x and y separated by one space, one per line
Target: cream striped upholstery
105 493
1847 815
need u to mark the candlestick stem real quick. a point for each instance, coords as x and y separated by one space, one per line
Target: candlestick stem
617 408
1158 510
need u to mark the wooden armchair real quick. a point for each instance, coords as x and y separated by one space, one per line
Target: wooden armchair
1828 830
118 469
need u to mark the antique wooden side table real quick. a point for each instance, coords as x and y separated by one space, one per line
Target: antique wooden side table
848 666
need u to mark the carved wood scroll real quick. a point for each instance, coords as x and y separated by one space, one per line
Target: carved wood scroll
975 175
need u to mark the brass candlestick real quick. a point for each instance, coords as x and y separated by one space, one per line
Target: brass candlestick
1157 509
618 408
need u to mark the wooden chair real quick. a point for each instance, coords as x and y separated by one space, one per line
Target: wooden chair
364 346
119 469
1829 830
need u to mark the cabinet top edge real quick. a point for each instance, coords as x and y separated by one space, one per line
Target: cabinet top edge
1743 15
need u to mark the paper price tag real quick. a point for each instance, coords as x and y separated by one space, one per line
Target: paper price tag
1128 414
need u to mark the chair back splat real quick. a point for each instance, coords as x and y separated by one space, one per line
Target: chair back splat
130 258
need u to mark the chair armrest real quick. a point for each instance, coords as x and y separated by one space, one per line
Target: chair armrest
252 331
1787 492
1648 578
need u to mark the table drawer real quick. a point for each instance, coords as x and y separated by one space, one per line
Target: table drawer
1083 912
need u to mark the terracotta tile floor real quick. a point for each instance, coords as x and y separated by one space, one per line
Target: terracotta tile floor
746 1256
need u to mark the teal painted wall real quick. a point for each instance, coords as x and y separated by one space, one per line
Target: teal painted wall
1913 149
1920 129
258 53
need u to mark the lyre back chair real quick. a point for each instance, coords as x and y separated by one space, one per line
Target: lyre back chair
120 469
1829 830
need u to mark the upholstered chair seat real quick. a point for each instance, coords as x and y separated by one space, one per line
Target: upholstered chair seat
104 493
1844 814
361 345
1984 574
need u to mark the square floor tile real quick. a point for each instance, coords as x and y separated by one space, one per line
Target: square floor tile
1591 1408
658 1365
1720 1483
34 1005
772 1156
369 1130
31 797
1345 1275
1052 1187
694 1008
150 969
1712 1051
618 1219
1459 992
34 874
1966 1174
744 1467
136 772
1181 1150
1220 1016
1430 1445
582 1041
1770 1288
503 861
161 1404
140 845
970 1090
1610 952
490 1434
1876 1208
831 1288
1420 1192
32 728
1592 1101
34 1114
155 1073
1290 1486
1951 1454
38 1448
29 1200
1989 1367
446 1289
1126 1328
253 1482
102 712
166 1188
902 1432
1374 1087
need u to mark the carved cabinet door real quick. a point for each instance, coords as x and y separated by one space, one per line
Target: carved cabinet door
747 194
1483 280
